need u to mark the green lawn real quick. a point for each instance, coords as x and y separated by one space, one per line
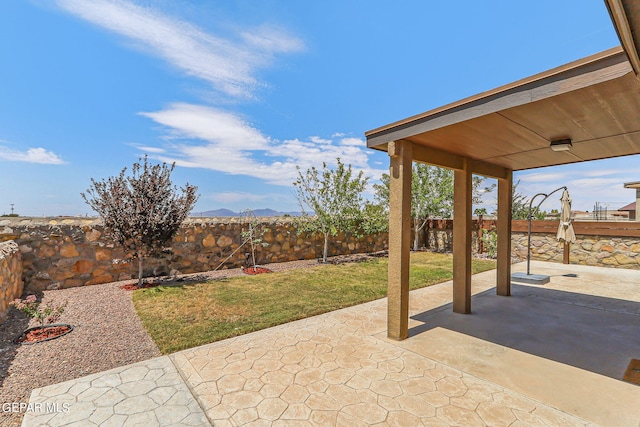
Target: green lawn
183 316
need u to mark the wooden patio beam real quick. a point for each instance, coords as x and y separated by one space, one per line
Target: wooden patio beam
400 170
462 226
503 265
448 160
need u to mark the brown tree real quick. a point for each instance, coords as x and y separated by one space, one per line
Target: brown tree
141 212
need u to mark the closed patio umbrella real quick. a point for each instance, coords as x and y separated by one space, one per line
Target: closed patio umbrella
565 229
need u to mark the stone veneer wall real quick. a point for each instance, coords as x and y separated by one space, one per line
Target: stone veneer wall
603 251
11 284
63 253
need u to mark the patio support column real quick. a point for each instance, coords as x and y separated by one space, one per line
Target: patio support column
503 266
400 153
462 226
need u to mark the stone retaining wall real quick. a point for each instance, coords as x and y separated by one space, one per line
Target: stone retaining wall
603 251
62 253
11 284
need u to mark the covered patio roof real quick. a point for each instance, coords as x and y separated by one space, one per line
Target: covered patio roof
592 103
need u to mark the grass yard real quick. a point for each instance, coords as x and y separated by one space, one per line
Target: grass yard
181 316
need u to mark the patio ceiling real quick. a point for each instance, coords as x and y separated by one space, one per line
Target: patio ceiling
594 101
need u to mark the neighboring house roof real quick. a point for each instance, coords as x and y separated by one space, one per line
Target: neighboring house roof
629 207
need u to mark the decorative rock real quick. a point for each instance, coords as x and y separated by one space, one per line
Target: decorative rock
106 278
210 241
225 241
69 251
624 260
103 254
93 235
83 266
275 248
54 286
25 249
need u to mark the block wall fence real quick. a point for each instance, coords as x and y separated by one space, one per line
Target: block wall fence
598 243
62 253
54 253
11 283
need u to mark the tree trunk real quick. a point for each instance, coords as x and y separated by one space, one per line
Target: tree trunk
416 234
427 236
325 250
139 271
480 233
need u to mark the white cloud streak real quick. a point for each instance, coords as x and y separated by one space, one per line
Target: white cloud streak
205 137
229 66
541 177
32 155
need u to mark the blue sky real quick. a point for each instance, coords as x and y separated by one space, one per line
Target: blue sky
238 93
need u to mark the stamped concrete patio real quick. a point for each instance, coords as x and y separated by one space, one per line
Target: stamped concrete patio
547 356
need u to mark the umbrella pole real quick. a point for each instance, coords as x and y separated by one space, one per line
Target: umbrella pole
546 196
529 245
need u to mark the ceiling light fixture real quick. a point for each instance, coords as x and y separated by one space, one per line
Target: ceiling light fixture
561 145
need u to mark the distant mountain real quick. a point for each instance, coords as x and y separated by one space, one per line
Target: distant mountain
257 212
217 212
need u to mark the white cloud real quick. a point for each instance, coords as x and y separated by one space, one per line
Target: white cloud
229 66
594 183
209 124
320 141
32 155
601 172
205 137
541 177
353 141
147 149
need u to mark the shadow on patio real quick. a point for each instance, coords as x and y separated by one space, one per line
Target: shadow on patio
558 344
585 331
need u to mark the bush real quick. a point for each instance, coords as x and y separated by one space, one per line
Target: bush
490 242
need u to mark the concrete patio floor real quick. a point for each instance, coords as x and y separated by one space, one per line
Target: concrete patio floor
548 355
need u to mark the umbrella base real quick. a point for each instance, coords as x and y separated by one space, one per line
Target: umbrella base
531 279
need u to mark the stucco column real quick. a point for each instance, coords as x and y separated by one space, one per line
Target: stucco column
503 266
462 226
399 239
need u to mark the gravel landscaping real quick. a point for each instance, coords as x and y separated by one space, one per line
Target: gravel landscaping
107 334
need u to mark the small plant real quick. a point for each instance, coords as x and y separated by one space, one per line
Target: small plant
45 315
253 234
490 241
